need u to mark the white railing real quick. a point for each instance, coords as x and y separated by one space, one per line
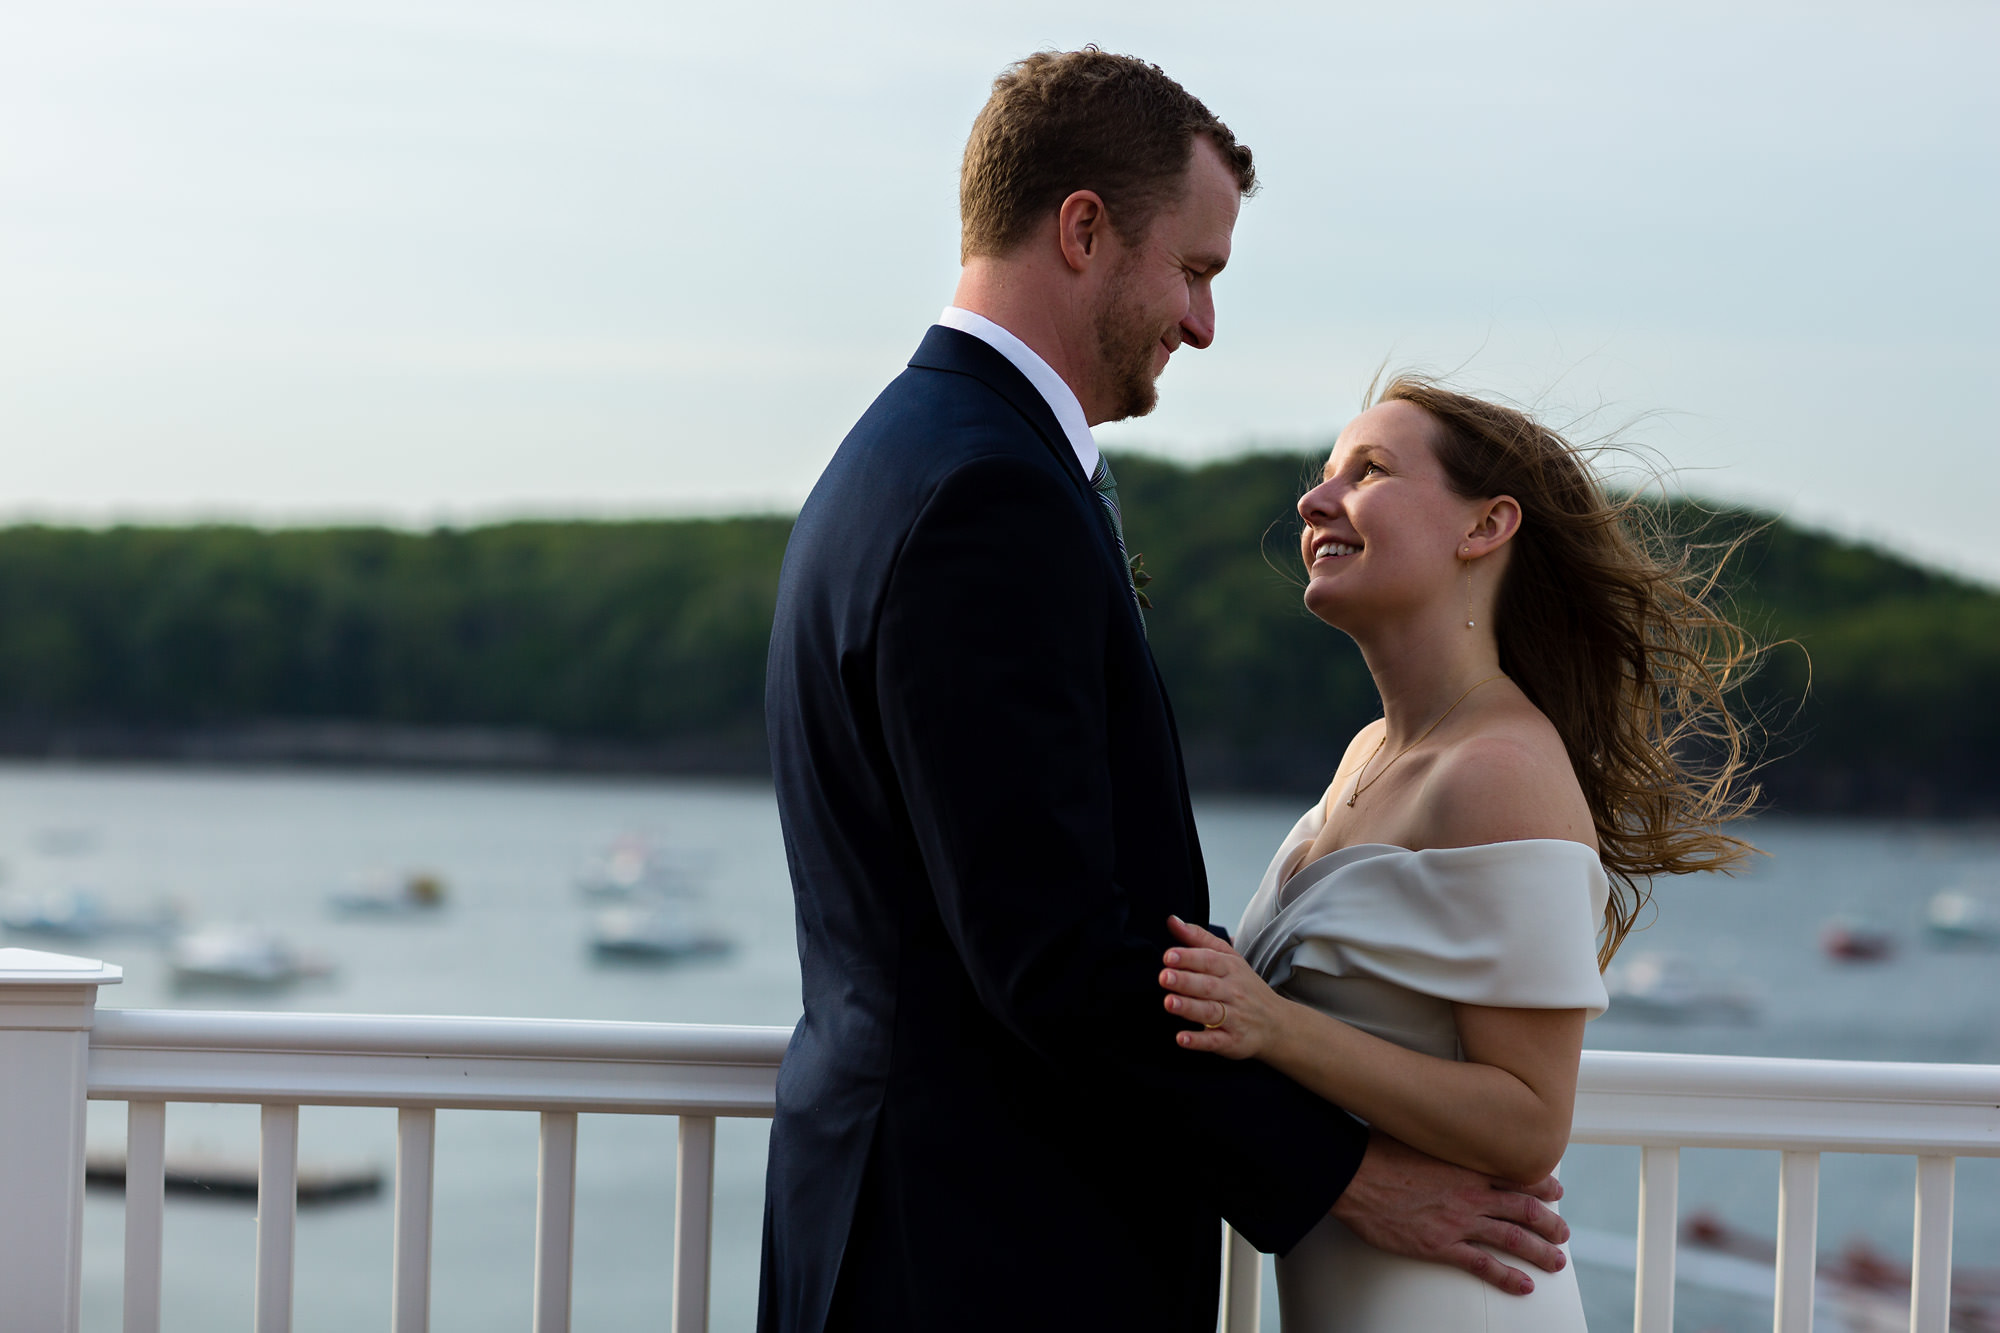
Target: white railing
56 1050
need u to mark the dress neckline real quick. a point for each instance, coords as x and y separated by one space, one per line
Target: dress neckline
1321 868
1384 848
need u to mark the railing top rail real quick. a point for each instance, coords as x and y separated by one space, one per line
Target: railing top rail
414 1034
401 1060
672 1068
1678 1075
1717 1101
1637 1072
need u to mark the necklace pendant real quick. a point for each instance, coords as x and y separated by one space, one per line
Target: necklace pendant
1351 800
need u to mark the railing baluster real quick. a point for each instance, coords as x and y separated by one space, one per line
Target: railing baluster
1659 1216
1930 1263
694 1222
1798 1240
277 1216
555 1222
145 1203
410 1279
1242 1283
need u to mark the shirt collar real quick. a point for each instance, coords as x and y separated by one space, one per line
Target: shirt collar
1060 398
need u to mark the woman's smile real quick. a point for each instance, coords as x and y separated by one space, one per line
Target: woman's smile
1333 550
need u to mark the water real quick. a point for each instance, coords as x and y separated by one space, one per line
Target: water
270 846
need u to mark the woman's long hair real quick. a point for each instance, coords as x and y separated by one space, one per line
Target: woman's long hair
1617 638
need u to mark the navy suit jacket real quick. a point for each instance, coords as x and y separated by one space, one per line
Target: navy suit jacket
983 1120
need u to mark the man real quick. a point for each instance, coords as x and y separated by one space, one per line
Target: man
983 1120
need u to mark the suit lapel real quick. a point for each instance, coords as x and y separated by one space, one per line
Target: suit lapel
958 353
962 354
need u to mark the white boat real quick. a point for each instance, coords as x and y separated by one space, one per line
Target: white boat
659 932
76 915
1667 988
385 896
630 868
248 957
1956 916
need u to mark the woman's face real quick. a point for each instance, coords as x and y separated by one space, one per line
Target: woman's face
1383 530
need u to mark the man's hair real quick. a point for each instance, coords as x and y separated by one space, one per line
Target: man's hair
1063 121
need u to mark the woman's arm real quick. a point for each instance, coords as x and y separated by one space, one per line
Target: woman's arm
1504 1110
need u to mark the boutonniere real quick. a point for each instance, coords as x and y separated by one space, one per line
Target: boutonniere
1140 578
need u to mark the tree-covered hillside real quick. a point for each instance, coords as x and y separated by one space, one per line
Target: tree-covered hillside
634 632
642 643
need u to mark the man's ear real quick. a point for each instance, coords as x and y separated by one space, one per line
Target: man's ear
1495 523
1080 228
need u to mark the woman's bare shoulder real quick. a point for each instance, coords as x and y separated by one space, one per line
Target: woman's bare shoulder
1357 753
1511 780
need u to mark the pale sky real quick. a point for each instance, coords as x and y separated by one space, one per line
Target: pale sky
456 261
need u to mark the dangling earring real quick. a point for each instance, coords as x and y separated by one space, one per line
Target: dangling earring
1467 553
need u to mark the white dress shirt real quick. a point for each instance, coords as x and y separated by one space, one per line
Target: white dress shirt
1061 401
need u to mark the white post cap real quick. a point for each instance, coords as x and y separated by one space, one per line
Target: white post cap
32 967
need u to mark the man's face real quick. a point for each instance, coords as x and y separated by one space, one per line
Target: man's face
1157 297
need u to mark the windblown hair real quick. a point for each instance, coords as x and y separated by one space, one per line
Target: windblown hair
1617 637
1063 121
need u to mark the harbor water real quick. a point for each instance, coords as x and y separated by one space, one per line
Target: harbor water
511 938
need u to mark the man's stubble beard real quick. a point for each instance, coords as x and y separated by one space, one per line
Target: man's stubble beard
1125 350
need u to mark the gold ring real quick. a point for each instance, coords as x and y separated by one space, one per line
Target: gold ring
1209 1027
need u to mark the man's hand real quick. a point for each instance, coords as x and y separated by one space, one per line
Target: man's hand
1411 1204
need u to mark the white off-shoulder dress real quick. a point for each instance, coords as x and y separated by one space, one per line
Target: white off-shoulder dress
1387 939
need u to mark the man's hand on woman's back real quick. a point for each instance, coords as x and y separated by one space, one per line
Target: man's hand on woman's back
1412 1204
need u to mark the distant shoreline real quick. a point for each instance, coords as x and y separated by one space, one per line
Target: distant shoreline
345 745
312 743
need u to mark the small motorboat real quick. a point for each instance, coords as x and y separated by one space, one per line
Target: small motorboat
1667 988
214 1177
633 867
656 932
77 915
1852 940
245 957
1956 916
1863 1289
412 895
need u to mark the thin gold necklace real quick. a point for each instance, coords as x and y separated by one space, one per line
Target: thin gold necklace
1360 786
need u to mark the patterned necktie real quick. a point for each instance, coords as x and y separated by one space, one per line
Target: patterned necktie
1106 487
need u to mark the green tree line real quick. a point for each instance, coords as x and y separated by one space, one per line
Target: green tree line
644 641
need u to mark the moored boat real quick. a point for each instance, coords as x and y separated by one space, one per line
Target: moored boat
78 915
633 867
245 957
658 932
1865 1290
236 1177
1853 940
1956 916
412 895
1668 988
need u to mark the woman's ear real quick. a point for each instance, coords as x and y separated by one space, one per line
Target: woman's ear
1495 523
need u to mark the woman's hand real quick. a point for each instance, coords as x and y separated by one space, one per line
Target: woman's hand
1210 984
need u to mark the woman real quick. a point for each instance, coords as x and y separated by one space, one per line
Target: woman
1428 941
